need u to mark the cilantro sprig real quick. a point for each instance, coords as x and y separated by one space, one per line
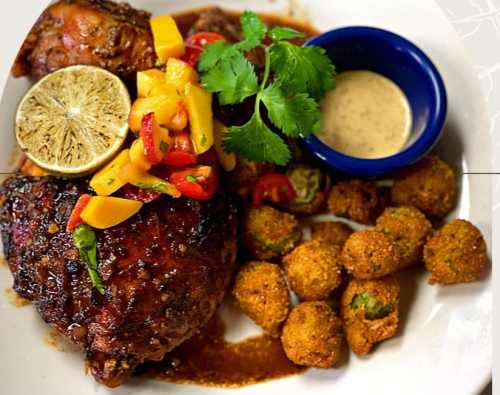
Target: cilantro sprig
293 82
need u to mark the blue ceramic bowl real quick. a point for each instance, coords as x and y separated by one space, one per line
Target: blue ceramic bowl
367 48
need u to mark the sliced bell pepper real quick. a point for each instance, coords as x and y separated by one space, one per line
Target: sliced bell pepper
155 138
199 182
103 212
181 151
107 180
274 187
75 218
168 41
199 107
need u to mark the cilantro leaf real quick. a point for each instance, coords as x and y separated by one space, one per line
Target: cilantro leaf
374 309
284 33
302 69
254 31
233 79
215 52
85 240
294 115
255 141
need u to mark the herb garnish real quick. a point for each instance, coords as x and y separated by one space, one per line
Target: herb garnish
294 80
374 309
85 240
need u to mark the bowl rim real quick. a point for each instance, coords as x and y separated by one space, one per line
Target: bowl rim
429 136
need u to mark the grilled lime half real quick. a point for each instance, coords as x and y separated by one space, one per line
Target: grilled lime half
73 120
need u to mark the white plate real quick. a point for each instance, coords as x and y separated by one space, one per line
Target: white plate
445 342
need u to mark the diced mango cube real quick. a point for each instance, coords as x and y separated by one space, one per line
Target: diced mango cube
167 90
147 80
165 108
168 41
199 108
137 156
107 180
179 73
226 159
103 212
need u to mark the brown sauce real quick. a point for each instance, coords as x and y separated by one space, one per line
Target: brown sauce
16 300
208 359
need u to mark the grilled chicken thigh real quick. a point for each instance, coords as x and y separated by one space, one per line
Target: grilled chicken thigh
93 32
165 271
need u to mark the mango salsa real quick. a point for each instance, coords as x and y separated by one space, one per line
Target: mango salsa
103 212
147 80
145 180
179 73
107 180
165 108
168 41
199 108
226 159
137 156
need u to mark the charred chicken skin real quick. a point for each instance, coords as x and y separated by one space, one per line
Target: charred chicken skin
165 271
92 32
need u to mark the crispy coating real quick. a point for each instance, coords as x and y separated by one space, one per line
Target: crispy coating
429 185
312 335
410 230
331 232
261 292
313 269
270 233
370 312
358 200
370 254
456 254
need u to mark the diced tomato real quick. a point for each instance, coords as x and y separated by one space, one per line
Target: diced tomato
194 46
155 138
142 195
181 151
198 182
75 219
273 187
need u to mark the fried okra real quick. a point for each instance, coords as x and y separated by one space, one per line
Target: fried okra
369 312
409 228
261 292
331 232
429 185
311 186
358 200
456 254
312 335
370 254
270 233
313 269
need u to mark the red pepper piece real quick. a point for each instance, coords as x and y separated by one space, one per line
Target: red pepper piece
181 151
199 182
75 219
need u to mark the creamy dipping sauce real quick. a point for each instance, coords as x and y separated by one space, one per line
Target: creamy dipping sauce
366 115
